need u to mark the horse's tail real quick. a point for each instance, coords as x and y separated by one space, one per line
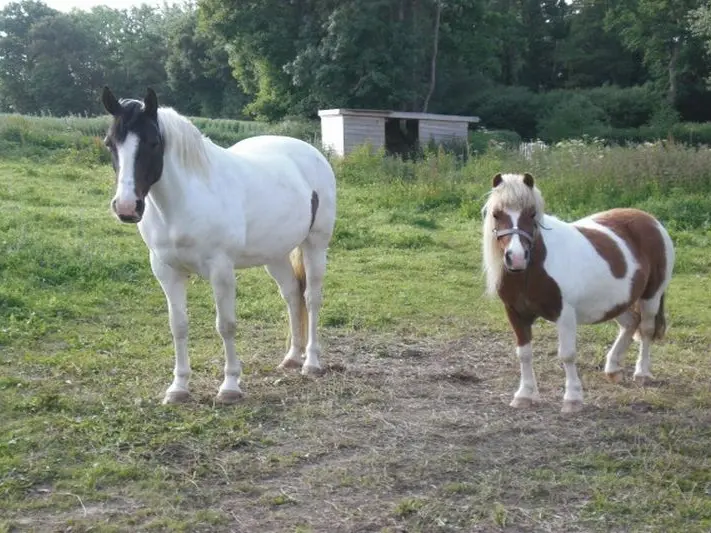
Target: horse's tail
297 263
660 322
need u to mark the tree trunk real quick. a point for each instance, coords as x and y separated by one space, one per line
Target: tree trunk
433 63
673 60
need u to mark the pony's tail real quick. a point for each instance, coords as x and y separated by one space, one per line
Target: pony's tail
297 263
660 322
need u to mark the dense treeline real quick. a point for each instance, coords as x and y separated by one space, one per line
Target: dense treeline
546 68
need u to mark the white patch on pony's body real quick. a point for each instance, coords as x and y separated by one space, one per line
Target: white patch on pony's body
125 198
511 191
582 275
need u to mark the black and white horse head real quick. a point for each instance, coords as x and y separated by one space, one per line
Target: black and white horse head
137 148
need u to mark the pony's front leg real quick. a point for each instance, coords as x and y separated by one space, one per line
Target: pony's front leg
174 284
567 326
527 393
223 283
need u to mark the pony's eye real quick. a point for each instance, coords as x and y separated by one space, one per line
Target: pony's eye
495 215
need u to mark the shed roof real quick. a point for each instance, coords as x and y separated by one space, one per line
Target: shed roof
395 114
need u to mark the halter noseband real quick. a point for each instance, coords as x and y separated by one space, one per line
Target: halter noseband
514 231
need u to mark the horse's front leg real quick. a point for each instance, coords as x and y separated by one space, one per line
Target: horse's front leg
567 326
222 279
174 284
527 393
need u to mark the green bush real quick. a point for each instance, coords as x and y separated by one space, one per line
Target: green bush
574 117
509 108
629 107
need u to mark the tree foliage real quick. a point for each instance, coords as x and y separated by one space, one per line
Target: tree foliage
535 66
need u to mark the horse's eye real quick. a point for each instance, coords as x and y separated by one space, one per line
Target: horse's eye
495 215
533 215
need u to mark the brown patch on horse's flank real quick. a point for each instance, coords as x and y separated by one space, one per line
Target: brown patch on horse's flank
638 281
640 231
314 207
608 250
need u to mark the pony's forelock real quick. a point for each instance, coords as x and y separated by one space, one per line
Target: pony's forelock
514 195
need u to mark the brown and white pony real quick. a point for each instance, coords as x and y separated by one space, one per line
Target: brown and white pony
614 264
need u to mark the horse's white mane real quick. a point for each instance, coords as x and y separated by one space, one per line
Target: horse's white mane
513 194
184 141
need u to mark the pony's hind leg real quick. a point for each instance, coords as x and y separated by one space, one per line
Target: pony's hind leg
222 279
174 285
314 257
647 332
290 288
628 322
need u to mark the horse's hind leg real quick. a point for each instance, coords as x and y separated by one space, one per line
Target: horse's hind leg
628 322
174 285
289 287
315 265
647 332
222 279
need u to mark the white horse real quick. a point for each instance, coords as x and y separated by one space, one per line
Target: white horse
616 264
203 209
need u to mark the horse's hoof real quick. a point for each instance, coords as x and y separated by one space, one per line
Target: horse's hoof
521 403
642 380
229 397
572 406
308 370
176 396
614 377
289 364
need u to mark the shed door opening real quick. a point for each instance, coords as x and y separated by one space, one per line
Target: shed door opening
401 136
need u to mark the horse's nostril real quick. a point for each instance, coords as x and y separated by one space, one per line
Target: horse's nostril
140 206
507 256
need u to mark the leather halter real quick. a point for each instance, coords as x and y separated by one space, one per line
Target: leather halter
514 231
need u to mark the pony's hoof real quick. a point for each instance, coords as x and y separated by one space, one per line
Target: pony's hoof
229 397
522 403
643 380
614 377
572 406
308 370
289 364
176 396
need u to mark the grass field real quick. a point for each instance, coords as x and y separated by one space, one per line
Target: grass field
409 429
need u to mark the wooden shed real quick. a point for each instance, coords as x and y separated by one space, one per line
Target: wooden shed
342 130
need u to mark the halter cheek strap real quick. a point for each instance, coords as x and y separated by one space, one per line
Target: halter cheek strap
514 231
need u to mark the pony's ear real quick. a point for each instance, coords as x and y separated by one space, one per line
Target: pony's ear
150 103
110 102
528 180
497 181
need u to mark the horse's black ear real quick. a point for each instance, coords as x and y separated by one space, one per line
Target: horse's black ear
110 102
497 180
528 180
150 103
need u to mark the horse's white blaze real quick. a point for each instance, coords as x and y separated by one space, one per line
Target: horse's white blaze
124 201
516 249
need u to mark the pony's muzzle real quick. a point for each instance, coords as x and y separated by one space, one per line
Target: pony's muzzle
516 261
128 211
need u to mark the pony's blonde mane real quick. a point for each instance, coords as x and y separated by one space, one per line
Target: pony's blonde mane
513 194
184 141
